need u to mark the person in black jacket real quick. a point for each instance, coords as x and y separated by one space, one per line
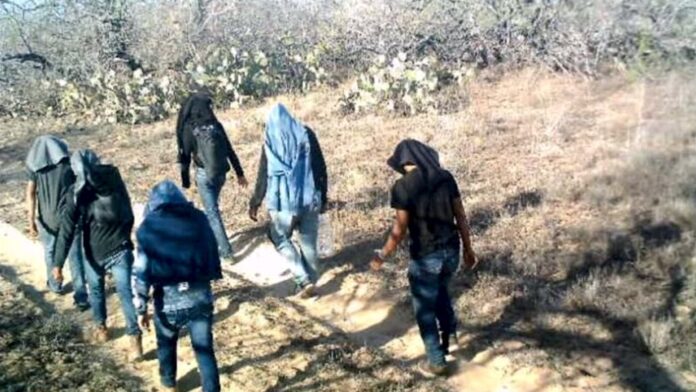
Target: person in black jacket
48 168
99 205
429 207
293 181
201 137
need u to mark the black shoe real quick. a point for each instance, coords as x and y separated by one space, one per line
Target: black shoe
83 306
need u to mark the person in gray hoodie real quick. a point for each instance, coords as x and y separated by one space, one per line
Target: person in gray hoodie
50 176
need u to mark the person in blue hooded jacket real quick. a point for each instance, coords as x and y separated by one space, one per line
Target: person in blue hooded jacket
178 257
292 178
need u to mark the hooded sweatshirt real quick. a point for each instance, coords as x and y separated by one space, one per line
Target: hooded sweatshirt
174 238
48 167
426 193
197 111
99 205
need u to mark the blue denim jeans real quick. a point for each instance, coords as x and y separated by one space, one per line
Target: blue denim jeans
199 321
75 263
303 261
209 189
120 265
429 279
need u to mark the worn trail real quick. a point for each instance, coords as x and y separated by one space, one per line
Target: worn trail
264 335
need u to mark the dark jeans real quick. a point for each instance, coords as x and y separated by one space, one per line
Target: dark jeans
75 262
120 265
429 278
209 189
199 321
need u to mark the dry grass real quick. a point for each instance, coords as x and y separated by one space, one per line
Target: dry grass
44 351
581 195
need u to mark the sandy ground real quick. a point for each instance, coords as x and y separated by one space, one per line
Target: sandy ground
350 312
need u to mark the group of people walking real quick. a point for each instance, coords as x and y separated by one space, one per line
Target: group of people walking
85 216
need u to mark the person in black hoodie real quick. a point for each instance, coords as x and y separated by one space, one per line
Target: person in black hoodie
50 175
99 205
201 137
428 205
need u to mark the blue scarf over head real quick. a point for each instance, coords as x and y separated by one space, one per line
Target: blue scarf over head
177 239
290 181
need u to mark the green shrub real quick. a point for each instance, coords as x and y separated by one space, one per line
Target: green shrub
403 86
231 76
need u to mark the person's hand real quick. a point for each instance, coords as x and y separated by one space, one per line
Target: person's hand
58 275
144 321
470 259
33 230
376 264
242 181
253 213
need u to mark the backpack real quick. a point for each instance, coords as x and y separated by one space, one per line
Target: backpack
212 149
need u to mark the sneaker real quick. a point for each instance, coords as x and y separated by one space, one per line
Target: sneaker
82 306
307 291
101 334
136 348
431 370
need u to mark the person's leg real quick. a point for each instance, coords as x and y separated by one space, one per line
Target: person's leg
281 235
309 232
95 282
209 190
424 292
445 312
121 271
167 333
77 272
201 328
48 241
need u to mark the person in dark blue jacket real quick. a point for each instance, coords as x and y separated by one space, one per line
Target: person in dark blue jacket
178 257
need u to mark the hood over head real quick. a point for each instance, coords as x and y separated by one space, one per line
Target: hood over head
46 151
165 193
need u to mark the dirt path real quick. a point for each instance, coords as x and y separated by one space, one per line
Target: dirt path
384 325
384 321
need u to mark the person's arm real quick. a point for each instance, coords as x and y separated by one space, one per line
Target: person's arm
464 232
321 177
31 208
141 289
69 216
396 235
234 161
141 284
260 188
